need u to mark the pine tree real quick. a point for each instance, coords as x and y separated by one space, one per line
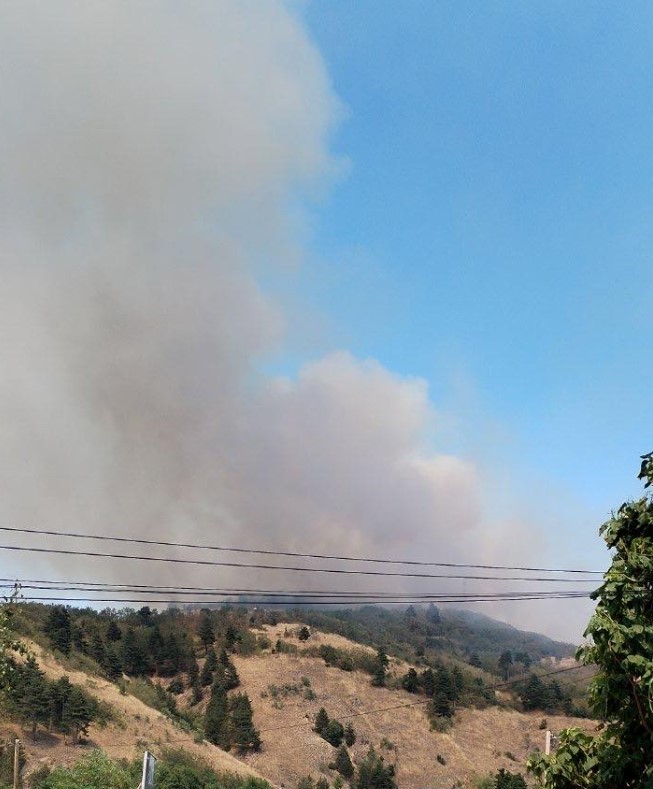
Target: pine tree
216 718
334 733
59 692
97 650
78 712
231 637
321 721
350 735
134 660
245 735
433 614
343 763
114 633
205 630
31 695
381 669
410 681
304 633
505 664
427 681
112 664
373 773
229 675
155 648
210 665
58 629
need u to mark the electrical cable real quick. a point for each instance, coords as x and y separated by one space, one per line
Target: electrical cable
242 565
204 547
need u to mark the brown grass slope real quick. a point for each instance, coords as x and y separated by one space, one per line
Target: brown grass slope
136 727
480 742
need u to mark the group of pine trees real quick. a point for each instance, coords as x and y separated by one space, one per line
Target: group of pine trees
371 773
228 721
546 696
443 686
36 701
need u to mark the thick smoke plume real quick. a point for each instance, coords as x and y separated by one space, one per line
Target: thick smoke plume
155 158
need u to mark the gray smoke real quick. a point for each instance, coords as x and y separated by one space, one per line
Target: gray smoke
155 159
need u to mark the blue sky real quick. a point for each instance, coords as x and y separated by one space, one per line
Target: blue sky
492 232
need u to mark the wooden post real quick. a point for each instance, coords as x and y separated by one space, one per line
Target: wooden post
16 762
547 743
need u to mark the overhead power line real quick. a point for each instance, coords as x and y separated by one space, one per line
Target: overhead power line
300 595
242 565
320 602
295 554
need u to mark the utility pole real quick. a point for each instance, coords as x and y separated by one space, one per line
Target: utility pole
16 762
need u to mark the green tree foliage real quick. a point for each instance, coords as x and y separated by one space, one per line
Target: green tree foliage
30 695
410 681
245 735
304 633
620 643
505 663
78 712
216 718
321 721
343 763
227 671
134 658
373 773
381 669
58 629
507 780
205 630
350 735
95 770
334 733
433 614
114 633
209 667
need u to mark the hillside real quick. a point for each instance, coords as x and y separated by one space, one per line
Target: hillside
289 672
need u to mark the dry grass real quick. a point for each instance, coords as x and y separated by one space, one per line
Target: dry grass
476 745
137 726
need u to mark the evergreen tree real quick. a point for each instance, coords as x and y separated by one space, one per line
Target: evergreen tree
193 671
322 783
458 681
343 763
58 629
321 721
31 695
505 664
535 695
231 637
350 735
410 681
216 718
145 616
78 712
210 665
334 733
112 664
441 706
245 735
205 630
304 633
155 648
381 669
114 633
172 658
97 650
374 774
427 681
197 693
78 639
59 692
134 660
433 614
229 675
475 660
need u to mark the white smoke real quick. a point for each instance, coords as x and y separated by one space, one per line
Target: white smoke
155 158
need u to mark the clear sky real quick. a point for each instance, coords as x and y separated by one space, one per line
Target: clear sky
493 232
